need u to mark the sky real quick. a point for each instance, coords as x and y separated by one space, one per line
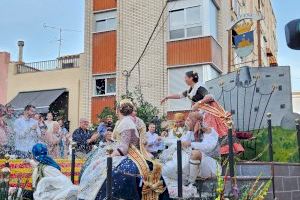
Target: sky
24 20
285 11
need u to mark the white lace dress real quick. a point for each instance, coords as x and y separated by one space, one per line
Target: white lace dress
53 185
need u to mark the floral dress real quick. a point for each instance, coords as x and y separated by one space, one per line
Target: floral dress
129 180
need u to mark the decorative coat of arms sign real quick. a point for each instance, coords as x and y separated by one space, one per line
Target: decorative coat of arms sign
244 40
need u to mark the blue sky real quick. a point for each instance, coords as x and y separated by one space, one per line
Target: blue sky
285 11
24 19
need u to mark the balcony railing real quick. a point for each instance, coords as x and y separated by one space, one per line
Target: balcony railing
49 65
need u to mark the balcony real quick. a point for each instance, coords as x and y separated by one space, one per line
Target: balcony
65 62
194 51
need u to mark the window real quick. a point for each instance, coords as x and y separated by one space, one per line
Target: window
105 21
176 85
104 85
185 22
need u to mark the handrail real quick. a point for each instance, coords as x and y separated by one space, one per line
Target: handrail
49 65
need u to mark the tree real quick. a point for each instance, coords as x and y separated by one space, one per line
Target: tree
145 110
108 111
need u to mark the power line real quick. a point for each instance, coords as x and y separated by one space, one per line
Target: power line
128 73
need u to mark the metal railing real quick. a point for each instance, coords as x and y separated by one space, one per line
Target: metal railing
49 65
231 161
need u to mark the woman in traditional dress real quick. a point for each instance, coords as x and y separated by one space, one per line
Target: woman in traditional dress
47 180
195 93
216 117
134 176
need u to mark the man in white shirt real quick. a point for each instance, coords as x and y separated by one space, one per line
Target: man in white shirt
154 143
27 132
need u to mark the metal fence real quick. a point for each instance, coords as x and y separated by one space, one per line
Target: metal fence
49 65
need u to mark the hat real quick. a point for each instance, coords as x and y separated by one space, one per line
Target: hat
179 117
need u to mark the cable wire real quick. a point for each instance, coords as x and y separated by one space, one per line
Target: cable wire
149 40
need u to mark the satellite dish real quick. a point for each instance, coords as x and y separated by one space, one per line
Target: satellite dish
292 34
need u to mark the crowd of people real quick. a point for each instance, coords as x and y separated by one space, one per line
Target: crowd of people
18 134
144 161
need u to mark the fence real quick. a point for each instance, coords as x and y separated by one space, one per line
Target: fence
49 65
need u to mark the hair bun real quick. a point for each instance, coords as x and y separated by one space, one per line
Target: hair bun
192 74
126 107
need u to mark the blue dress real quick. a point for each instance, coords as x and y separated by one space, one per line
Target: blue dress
127 186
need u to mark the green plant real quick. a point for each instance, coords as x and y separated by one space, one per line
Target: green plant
106 112
145 110
284 145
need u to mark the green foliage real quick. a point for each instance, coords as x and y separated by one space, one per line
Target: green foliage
145 110
108 111
284 145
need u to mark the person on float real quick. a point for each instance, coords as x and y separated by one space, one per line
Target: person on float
48 181
179 131
169 155
216 117
195 93
205 150
135 176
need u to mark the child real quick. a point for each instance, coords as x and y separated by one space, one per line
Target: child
154 143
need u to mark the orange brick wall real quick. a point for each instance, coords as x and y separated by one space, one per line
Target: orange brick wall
104 4
104 52
99 103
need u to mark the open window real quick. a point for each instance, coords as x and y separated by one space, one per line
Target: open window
104 85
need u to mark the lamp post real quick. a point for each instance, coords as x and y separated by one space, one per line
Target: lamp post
270 137
231 153
179 168
74 144
298 135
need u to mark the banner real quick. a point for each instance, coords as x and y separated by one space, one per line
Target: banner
22 171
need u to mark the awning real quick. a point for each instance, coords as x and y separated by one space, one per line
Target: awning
40 99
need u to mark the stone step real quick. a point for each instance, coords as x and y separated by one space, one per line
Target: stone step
287 180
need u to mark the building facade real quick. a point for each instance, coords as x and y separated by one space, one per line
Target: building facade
4 62
189 35
296 102
53 85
